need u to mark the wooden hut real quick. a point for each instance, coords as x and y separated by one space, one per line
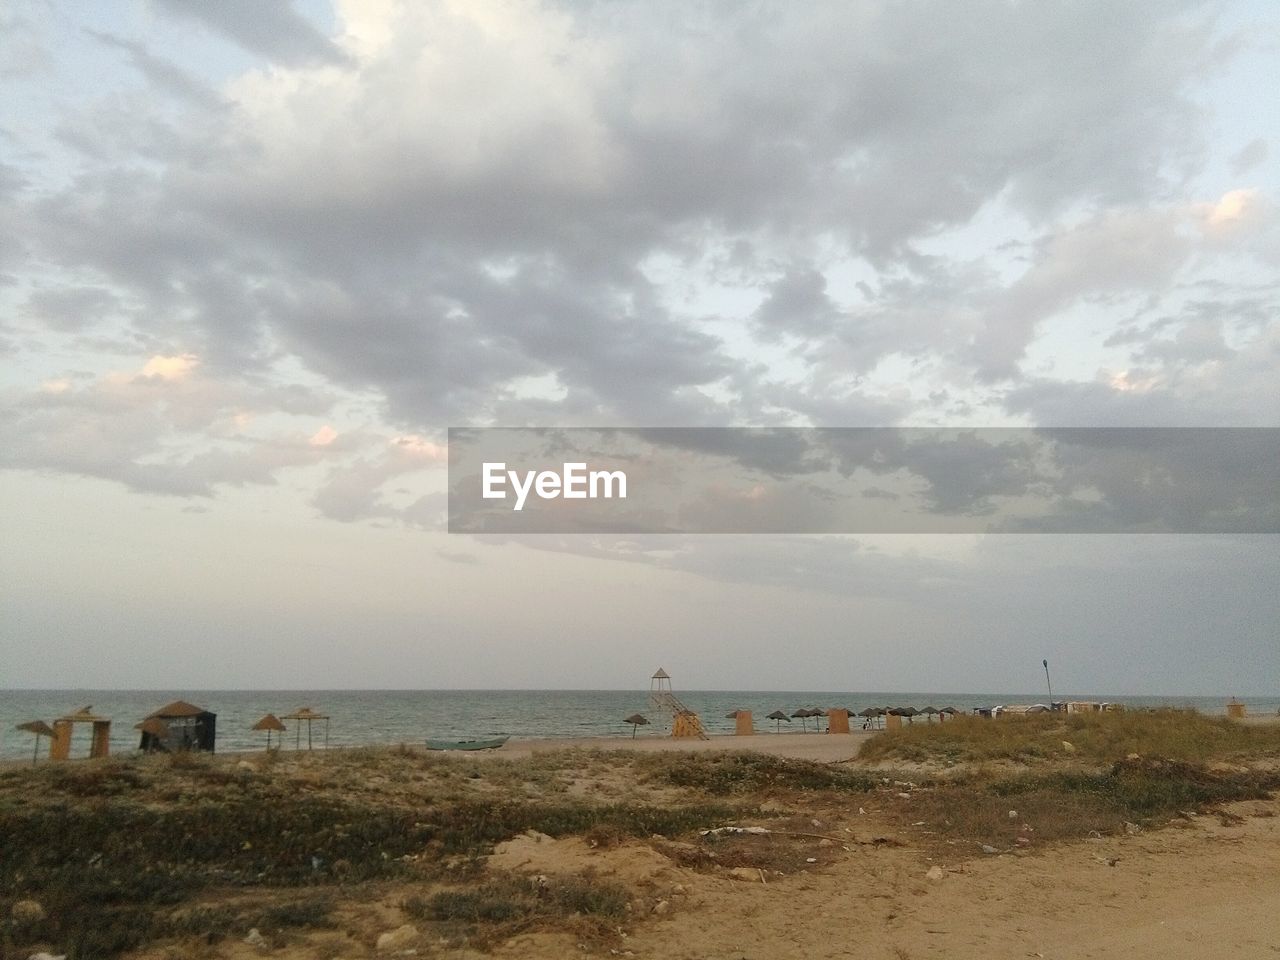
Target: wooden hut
838 720
178 726
60 742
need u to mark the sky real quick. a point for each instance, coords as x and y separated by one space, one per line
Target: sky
255 260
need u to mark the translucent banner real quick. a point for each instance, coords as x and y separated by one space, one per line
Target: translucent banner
864 480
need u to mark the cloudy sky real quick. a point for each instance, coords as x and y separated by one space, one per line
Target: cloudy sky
256 258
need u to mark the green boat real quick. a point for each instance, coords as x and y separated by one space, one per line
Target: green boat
493 744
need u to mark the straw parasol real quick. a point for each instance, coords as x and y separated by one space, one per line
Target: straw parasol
40 729
309 715
870 714
154 726
777 717
268 723
637 720
930 712
179 708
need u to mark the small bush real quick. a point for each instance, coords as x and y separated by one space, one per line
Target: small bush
510 897
725 774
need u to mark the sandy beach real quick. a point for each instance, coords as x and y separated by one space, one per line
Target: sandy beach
822 747
965 840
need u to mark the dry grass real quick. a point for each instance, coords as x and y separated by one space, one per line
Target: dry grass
1097 738
1065 805
127 852
505 904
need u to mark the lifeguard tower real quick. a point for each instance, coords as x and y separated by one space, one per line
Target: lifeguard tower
684 722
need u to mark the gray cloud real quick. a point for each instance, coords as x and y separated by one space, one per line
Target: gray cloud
274 30
396 256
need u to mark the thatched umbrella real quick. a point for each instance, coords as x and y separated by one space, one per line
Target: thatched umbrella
930 712
636 720
40 729
869 715
158 731
268 723
777 717
804 716
309 715
947 712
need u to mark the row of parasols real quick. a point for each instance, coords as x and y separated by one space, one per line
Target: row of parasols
872 716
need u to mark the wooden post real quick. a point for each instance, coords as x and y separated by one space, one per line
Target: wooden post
101 744
60 743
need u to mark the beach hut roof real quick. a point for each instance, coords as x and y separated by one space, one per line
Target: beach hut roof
179 708
661 675
269 722
83 715
637 718
779 715
38 727
154 726
305 713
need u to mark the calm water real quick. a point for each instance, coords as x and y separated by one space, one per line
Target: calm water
409 716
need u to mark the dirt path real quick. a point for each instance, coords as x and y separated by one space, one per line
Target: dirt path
1195 891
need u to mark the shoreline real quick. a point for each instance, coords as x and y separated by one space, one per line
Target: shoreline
818 747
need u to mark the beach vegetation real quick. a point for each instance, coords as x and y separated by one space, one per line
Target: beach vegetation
1088 738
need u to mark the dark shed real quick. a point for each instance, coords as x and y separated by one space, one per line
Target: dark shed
178 726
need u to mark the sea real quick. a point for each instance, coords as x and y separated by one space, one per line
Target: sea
363 717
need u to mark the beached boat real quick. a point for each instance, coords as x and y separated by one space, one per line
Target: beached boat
491 744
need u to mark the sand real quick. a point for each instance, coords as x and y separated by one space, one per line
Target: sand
1202 891
1205 886
804 746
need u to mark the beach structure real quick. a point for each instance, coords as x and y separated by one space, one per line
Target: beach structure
838 720
1235 709
872 717
684 722
178 726
742 722
40 729
270 723
803 714
777 717
637 720
309 716
60 742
